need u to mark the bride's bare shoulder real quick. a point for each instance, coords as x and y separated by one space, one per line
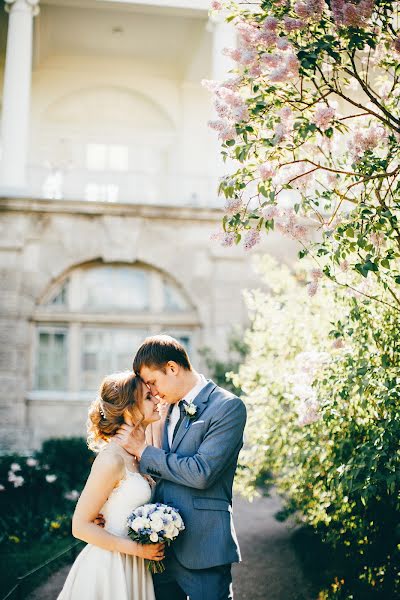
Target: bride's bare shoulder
109 459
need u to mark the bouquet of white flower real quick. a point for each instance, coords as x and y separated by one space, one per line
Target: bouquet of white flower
154 523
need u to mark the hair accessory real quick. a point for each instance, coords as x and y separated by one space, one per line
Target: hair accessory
101 409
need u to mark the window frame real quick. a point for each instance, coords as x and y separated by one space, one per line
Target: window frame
72 319
50 328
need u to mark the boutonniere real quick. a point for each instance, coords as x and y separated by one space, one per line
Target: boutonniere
190 410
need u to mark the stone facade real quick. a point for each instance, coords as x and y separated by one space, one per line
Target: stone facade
107 162
43 240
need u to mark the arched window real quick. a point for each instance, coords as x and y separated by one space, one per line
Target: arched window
91 321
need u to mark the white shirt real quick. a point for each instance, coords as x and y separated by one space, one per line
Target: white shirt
175 412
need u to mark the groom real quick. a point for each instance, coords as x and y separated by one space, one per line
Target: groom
202 437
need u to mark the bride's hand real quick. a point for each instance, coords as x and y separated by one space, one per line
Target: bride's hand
148 551
153 551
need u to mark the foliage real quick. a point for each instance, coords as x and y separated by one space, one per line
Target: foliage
71 459
310 124
38 493
322 388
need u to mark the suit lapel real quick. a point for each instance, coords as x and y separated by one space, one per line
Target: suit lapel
201 402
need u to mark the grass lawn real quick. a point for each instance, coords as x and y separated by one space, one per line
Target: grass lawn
18 559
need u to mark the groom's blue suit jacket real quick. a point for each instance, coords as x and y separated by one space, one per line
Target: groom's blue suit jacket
197 474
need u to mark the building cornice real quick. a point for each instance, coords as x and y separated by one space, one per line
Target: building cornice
190 8
98 209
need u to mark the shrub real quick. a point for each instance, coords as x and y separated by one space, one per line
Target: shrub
322 387
41 489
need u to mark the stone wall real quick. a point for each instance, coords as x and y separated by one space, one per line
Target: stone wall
41 240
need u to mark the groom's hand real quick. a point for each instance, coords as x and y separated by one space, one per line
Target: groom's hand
100 520
131 439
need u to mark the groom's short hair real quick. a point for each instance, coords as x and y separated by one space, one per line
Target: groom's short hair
157 350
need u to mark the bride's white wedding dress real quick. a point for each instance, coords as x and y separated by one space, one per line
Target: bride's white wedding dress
99 574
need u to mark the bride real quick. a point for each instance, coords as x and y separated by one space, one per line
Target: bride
112 566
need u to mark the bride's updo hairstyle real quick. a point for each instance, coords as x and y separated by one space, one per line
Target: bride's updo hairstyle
117 392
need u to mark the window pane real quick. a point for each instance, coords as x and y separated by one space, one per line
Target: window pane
60 298
44 340
115 288
112 192
105 351
101 192
118 158
173 299
92 193
183 338
52 360
96 157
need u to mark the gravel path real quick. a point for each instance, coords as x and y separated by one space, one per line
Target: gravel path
269 571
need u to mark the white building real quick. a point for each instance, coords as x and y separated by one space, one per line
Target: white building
108 198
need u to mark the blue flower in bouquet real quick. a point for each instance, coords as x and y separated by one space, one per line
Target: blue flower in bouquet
154 523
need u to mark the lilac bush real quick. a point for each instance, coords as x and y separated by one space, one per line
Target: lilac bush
310 121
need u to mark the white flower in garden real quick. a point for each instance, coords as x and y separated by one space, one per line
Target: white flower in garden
15 467
309 362
72 495
154 537
303 391
18 481
308 412
31 462
2 488
51 478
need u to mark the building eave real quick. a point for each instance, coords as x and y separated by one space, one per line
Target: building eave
159 212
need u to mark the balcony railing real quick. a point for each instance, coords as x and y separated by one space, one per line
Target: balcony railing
131 187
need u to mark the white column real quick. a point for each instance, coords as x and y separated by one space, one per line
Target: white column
16 95
224 36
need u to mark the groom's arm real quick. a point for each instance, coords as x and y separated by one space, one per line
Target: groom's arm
220 445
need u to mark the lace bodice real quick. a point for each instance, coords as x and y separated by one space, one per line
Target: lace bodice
132 491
